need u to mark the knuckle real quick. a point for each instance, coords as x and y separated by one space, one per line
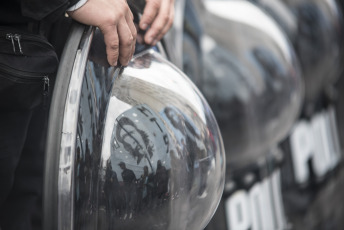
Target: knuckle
113 45
120 14
128 42
109 19
165 18
159 28
134 33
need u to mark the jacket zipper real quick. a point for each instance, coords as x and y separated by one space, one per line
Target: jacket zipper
17 38
45 90
23 77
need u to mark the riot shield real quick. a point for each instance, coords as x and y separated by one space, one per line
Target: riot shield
134 147
252 80
298 184
312 171
315 29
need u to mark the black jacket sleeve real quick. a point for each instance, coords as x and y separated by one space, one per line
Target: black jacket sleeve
45 9
22 11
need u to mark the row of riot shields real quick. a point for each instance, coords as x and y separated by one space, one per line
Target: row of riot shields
271 71
242 85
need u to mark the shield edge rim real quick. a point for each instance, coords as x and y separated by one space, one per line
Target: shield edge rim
55 123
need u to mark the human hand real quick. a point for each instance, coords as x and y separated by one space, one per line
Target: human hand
159 15
115 20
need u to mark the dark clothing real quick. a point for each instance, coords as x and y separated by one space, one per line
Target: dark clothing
128 177
22 11
111 186
22 133
161 177
10 13
21 164
111 189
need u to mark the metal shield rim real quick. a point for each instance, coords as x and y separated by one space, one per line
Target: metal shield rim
56 115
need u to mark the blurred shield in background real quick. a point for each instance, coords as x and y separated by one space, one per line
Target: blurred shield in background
310 157
315 29
312 172
252 80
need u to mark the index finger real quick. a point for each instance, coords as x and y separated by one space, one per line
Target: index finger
126 42
149 14
112 44
161 21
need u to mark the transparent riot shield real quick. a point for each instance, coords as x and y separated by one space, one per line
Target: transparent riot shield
129 148
312 171
253 82
316 31
252 79
302 189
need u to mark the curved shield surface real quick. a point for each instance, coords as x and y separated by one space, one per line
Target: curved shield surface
252 79
140 147
253 82
316 32
311 175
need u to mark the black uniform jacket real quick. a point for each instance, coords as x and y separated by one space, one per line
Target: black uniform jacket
22 11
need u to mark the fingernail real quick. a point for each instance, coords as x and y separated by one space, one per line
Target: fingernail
149 40
144 26
154 42
115 63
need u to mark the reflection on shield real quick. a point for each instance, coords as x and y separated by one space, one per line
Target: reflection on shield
192 147
134 140
139 139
